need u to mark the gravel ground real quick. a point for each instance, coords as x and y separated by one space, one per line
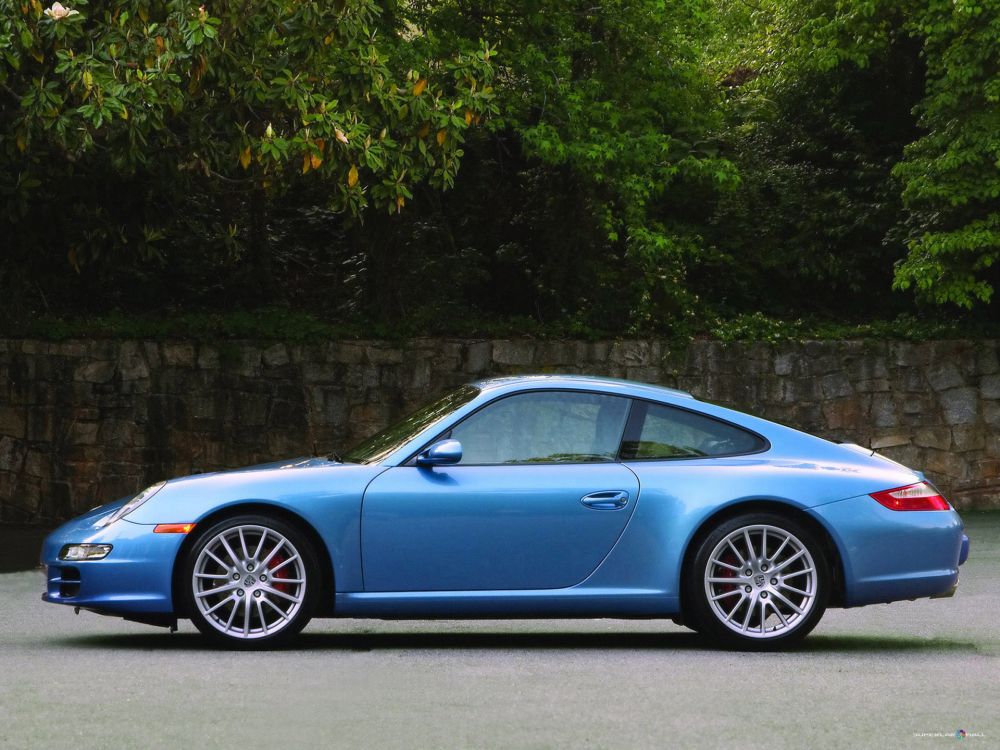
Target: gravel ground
904 675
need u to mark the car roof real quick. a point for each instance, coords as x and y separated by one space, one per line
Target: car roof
611 385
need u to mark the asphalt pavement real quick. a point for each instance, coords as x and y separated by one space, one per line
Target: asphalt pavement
905 675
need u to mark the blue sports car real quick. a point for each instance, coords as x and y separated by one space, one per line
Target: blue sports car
540 496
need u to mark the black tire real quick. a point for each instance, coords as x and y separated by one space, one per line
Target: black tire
244 592
763 611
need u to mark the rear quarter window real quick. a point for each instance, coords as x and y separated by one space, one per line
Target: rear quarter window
659 431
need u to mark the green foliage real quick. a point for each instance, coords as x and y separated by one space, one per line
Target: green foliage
756 327
266 325
611 99
934 161
627 166
762 328
281 324
806 232
236 104
951 174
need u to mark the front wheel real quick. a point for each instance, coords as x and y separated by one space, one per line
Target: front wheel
759 581
251 582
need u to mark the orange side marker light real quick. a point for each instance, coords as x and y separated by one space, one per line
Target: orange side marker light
173 528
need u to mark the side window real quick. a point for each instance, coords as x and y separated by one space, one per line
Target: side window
667 432
544 427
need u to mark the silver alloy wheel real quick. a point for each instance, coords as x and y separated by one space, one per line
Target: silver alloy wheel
761 581
249 582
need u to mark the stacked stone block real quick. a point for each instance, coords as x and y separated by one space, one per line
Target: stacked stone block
84 422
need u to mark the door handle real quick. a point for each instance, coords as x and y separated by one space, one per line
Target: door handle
606 500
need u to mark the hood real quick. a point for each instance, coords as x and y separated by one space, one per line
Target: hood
301 462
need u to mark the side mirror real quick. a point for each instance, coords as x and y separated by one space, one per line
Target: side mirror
441 453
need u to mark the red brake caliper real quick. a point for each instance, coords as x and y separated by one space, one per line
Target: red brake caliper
723 572
283 573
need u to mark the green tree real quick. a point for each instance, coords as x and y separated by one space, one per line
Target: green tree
951 174
606 101
815 131
117 115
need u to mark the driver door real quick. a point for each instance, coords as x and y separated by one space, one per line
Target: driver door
537 501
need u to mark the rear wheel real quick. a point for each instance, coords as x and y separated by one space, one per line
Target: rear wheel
759 581
251 582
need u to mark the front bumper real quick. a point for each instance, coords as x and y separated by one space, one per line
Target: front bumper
135 577
892 555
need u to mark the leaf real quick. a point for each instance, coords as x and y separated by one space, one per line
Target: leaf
419 86
352 176
198 69
245 158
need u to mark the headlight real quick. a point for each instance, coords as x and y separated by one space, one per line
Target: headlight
131 505
84 551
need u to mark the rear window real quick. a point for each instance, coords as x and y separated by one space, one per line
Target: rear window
659 431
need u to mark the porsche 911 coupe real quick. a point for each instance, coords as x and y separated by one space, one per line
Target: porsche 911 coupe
534 496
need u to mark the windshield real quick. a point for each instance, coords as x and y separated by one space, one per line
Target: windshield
381 444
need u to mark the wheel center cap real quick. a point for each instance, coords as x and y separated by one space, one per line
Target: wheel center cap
250 580
758 579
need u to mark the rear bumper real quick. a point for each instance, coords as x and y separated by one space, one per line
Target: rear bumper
962 557
135 577
946 594
894 555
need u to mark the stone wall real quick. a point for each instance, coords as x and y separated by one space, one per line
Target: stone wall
87 421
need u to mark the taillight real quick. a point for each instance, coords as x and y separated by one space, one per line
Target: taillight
920 496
